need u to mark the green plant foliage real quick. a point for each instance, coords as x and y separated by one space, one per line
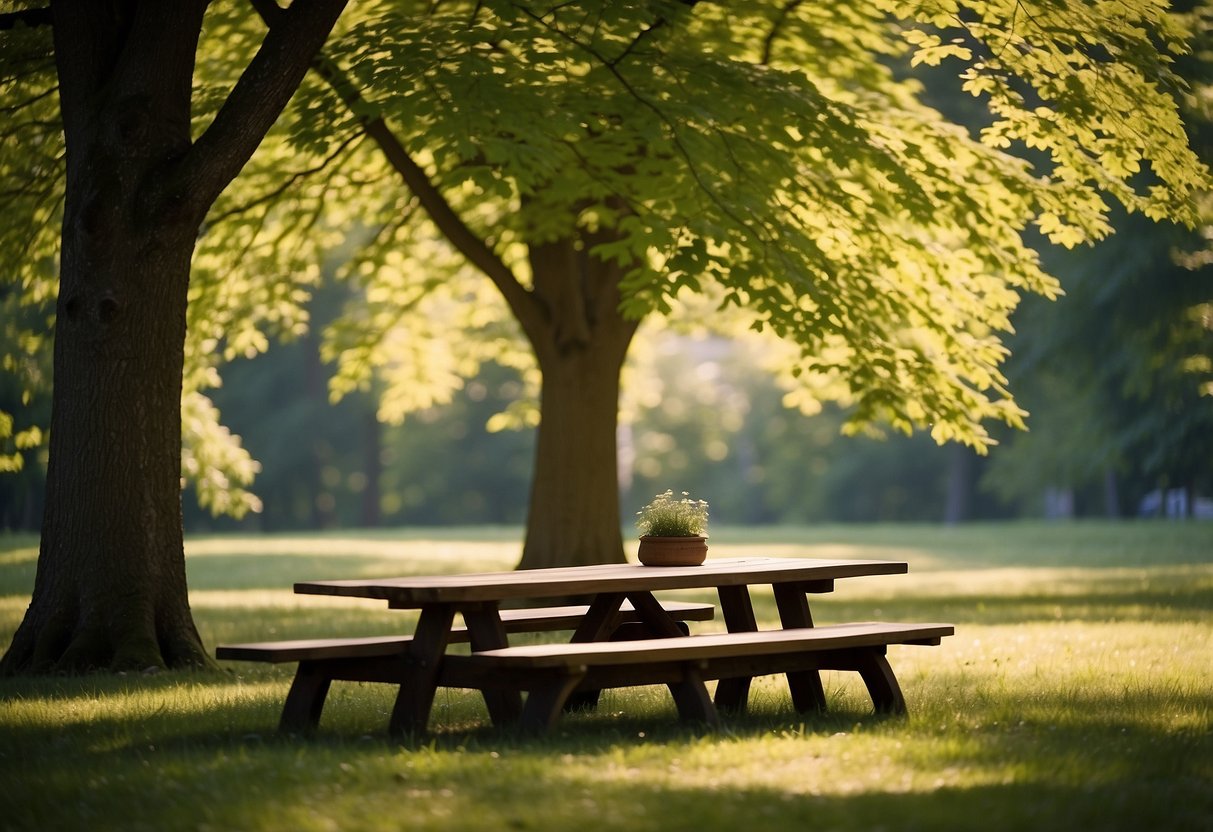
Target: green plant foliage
31 172
808 184
670 516
774 157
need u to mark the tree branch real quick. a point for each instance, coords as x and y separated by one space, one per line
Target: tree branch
525 307
670 124
769 43
646 32
258 98
274 193
33 99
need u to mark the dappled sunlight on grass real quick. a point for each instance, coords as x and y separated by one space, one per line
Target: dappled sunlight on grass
256 598
1055 581
983 545
279 562
12 610
79 703
841 551
457 552
1077 693
13 557
245 599
1181 593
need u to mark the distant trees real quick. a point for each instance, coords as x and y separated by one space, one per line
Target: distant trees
328 464
1117 377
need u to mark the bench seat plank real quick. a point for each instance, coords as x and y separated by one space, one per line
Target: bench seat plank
709 645
552 672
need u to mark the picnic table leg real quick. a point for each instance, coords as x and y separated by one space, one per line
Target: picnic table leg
411 713
656 619
305 700
690 695
545 702
599 619
691 698
805 685
738 610
596 625
486 632
877 674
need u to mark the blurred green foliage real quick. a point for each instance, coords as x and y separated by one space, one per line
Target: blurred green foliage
894 270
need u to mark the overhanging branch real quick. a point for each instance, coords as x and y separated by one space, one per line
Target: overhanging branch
258 97
768 44
675 135
525 307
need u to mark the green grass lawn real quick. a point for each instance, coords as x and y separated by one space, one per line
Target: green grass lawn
1077 694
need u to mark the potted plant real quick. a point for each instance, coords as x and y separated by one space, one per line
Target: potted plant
673 531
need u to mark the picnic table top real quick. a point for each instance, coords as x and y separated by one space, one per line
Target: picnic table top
419 590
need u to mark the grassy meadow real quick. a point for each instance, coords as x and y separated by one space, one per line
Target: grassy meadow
1077 693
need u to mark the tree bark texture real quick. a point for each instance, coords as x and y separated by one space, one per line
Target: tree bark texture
580 341
110 590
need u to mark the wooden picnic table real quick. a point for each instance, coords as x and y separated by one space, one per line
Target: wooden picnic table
478 598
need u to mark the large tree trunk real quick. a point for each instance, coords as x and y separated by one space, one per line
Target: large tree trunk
574 509
110 590
573 517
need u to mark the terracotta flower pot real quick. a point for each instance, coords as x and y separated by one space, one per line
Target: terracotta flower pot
672 551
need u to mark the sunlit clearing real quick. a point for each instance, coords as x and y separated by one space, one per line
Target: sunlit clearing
456 554
139 703
15 557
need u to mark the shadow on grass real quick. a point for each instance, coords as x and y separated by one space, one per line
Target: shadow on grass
1103 773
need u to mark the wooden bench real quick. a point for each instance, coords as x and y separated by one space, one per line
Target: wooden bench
382 658
551 673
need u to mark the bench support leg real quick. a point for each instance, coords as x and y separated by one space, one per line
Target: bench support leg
305 700
882 685
692 699
807 693
544 704
411 713
486 632
731 694
598 623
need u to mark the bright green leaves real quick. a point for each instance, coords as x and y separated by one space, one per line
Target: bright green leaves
31 202
1089 85
931 50
769 154
418 322
13 444
214 461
